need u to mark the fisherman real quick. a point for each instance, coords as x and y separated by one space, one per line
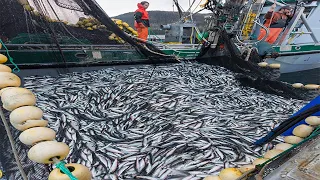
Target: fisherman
275 22
142 20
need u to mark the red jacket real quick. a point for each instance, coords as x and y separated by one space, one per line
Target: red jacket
141 17
278 20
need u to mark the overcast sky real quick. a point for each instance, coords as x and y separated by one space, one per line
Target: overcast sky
117 7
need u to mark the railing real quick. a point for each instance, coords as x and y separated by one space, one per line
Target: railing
94 47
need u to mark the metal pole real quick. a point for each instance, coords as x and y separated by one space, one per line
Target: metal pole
305 22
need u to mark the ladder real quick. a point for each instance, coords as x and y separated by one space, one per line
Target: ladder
253 13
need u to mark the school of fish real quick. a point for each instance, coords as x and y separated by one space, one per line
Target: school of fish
182 121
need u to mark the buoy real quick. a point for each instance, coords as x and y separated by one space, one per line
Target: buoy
44 152
230 174
17 97
30 124
79 171
212 178
28 7
118 22
259 161
292 139
297 85
246 168
272 153
311 86
125 24
4 89
263 64
8 79
302 131
36 135
283 146
274 66
23 2
4 68
3 58
313 120
22 114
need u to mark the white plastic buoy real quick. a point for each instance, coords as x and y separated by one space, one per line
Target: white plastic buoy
283 146
30 124
8 79
230 174
3 59
263 64
79 171
297 85
36 135
44 152
275 66
313 120
4 89
292 139
272 153
312 86
302 131
246 168
4 68
212 178
17 97
22 114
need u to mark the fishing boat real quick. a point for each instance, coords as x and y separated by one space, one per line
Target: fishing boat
298 44
135 122
71 48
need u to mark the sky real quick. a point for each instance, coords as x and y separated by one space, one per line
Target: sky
117 7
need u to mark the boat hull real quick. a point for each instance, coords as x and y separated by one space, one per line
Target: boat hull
33 56
303 68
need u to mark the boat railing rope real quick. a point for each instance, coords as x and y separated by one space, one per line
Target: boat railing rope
315 133
261 167
16 68
61 165
151 42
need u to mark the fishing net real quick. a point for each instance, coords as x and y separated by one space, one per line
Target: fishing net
64 31
226 53
134 122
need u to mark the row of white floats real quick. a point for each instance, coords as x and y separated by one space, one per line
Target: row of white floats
307 86
295 85
272 66
300 132
26 117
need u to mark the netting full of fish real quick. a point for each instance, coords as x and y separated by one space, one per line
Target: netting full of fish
185 121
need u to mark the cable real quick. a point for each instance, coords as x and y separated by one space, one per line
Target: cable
15 153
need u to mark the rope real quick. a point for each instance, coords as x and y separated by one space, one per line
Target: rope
61 165
16 68
263 165
15 153
314 134
152 33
